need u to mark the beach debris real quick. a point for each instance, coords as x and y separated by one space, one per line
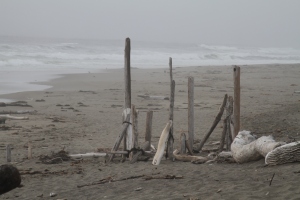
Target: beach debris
148 97
8 152
52 194
5 117
110 179
17 103
271 179
88 91
18 112
138 189
55 158
9 178
40 100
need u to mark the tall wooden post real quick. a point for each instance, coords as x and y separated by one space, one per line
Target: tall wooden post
236 99
171 111
127 104
191 110
148 128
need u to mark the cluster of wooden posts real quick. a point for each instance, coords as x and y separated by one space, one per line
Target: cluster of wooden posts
129 134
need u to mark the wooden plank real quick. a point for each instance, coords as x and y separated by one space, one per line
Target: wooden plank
135 135
191 111
149 128
236 99
215 123
222 141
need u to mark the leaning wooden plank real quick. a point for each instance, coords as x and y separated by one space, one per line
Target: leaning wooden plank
12 117
187 158
162 144
120 137
217 119
284 154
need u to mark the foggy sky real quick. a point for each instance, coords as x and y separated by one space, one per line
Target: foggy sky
226 22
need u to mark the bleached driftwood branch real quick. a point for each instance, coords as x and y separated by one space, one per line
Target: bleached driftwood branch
162 144
12 117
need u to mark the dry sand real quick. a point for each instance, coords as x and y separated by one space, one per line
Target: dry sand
269 105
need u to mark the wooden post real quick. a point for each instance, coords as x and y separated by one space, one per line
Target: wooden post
182 142
236 100
171 111
127 105
191 110
135 157
148 128
8 153
229 112
215 123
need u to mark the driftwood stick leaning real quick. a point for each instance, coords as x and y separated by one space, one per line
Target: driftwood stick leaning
216 121
121 136
162 144
12 117
222 141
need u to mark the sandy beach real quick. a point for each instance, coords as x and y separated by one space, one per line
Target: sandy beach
83 112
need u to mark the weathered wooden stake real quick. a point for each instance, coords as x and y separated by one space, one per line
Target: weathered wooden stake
148 128
222 141
127 105
236 100
182 142
135 157
191 110
215 123
8 153
171 111
135 135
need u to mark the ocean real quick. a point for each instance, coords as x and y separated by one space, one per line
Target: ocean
24 60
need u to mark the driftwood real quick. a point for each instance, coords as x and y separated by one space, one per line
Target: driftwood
246 148
103 154
188 158
9 178
18 112
216 121
236 100
171 116
8 152
12 117
110 179
149 128
243 148
284 154
17 103
162 144
120 137
144 147
191 133
148 97
182 143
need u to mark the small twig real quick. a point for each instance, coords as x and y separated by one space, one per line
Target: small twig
271 179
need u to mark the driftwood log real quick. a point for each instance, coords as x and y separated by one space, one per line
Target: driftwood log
9 178
162 144
246 148
12 117
284 154
188 158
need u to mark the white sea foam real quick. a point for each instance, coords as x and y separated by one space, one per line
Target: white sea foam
77 56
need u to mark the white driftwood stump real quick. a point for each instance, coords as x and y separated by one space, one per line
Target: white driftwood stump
246 148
